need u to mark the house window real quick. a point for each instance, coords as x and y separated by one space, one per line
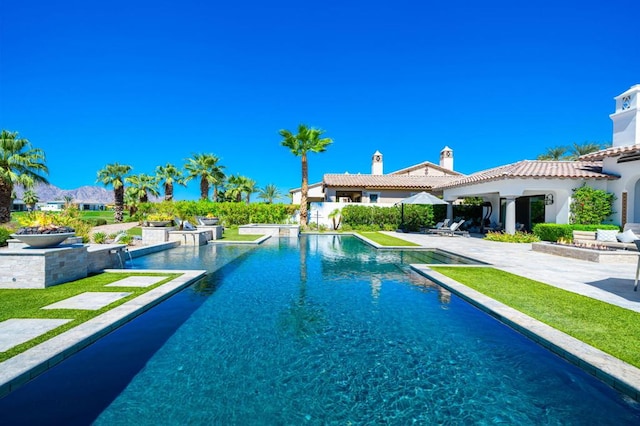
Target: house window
626 102
373 197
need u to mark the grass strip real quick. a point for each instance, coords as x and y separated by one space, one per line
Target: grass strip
607 327
232 234
386 240
27 303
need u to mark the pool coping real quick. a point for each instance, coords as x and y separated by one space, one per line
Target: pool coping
616 373
25 366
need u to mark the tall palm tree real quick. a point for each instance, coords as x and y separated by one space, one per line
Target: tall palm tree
307 139
169 175
20 163
205 167
113 175
142 185
555 153
269 193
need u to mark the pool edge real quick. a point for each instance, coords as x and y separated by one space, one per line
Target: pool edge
20 369
616 373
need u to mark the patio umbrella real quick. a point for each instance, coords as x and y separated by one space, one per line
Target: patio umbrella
419 198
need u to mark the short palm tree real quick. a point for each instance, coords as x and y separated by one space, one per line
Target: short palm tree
169 175
113 175
307 140
20 163
578 150
142 185
555 153
68 201
205 167
30 198
233 188
269 193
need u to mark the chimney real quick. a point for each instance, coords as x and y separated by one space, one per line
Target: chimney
446 158
376 164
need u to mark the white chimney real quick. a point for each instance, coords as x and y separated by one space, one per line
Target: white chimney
376 163
446 158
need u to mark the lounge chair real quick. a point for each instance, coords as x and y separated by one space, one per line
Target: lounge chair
439 226
452 230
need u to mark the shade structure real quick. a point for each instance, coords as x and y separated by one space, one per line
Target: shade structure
419 198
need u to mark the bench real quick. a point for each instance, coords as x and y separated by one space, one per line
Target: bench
588 238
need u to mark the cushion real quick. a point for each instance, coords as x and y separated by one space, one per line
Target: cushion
627 236
606 235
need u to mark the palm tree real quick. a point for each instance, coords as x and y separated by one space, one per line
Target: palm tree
113 175
30 198
578 150
233 188
307 139
68 201
169 175
555 153
20 163
205 167
142 185
269 193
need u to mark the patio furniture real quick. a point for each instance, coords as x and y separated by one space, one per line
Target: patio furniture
452 230
439 226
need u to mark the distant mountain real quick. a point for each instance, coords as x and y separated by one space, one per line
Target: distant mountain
86 194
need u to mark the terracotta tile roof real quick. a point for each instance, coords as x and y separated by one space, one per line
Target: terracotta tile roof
613 151
536 169
386 181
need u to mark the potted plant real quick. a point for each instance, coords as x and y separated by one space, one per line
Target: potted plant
39 231
210 220
159 219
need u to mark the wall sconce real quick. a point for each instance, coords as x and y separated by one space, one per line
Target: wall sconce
548 199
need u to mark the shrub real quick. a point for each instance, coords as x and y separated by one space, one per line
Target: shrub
97 221
553 231
590 206
99 237
5 234
374 218
518 237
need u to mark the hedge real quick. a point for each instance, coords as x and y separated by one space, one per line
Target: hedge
5 234
553 231
372 218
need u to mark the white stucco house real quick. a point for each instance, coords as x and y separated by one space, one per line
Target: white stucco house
520 191
516 195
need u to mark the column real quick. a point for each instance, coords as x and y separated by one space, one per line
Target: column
510 219
450 211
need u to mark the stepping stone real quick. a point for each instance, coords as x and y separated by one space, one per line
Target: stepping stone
19 330
89 301
136 282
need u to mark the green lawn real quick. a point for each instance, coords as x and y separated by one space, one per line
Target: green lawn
607 327
26 303
232 234
386 240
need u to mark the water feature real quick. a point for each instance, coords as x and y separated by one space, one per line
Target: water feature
318 330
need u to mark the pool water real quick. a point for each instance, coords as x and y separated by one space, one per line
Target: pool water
321 330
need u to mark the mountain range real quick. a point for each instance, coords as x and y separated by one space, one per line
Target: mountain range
87 194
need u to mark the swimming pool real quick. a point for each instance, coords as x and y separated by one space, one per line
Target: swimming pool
320 330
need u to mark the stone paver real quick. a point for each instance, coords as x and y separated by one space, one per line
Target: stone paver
136 281
16 331
89 301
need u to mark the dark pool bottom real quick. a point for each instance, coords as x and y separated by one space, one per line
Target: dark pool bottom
320 331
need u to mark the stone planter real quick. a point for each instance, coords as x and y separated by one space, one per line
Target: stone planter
598 256
159 223
42 240
209 221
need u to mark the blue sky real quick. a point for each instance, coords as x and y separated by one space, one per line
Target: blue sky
149 82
